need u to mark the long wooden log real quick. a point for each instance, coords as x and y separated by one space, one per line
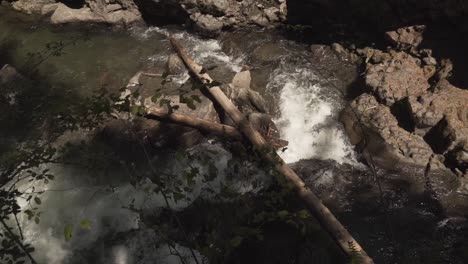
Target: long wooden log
197 123
344 239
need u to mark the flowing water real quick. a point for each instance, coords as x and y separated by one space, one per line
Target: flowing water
304 107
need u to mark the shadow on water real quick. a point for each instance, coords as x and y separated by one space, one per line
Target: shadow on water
412 220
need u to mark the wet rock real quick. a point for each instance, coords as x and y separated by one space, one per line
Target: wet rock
242 80
8 74
406 37
175 65
372 126
338 65
267 53
397 76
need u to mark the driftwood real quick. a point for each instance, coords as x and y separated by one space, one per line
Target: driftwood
205 125
197 123
344 239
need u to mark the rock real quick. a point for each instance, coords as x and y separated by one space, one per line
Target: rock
396 77
216 7
442 117
31 6
8 74
267 53
63 14
175 65
207 23
272 14
246 100
382 136
96 12
208 16
407 37
49 9
242 80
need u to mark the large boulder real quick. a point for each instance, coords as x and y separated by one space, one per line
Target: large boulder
372 126
63 14
406 37
442 117
397 76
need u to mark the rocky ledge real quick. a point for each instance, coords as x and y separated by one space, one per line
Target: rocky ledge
208 16
408 111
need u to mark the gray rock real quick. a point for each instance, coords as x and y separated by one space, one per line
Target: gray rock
242 80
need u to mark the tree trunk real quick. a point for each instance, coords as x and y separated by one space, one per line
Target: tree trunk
346 242
197 123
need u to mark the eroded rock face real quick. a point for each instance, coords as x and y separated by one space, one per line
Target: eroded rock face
97 11
397 76
405 116
376 123
31 7
407 37
208 16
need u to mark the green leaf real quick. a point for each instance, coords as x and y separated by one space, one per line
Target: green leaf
283 213
85 224
155 98
303 214
196 98
37 200
180 155
141 110
68 232
178 196
134 109
37 220
203 71
236 241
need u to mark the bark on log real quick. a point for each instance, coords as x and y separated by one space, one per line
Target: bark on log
197 123
344 239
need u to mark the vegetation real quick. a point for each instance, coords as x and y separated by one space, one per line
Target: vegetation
225 231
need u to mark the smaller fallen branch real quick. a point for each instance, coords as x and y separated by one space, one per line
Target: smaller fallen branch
197 123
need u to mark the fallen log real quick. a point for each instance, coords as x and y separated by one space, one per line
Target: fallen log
197 123
344 239
205 125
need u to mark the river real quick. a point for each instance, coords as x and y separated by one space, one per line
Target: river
304 103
